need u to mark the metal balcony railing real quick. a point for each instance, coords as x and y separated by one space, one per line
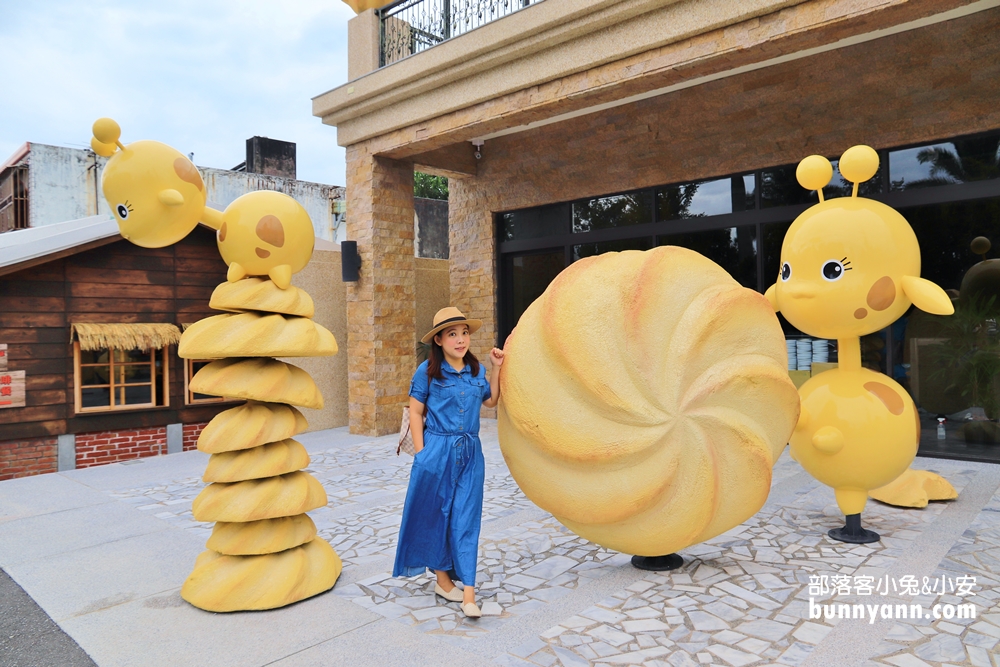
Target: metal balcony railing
410 26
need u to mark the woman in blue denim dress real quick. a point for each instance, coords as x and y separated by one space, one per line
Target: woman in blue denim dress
444 501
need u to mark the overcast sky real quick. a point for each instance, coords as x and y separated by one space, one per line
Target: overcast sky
201 76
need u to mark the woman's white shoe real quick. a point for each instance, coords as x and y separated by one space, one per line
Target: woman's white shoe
471 609
454 595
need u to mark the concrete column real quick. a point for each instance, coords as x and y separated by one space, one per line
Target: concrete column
175 438
472 263
362 44
381 315
66 452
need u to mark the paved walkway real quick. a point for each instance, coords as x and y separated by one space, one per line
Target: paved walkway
103 551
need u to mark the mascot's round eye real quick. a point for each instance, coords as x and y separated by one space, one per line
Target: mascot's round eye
833 270
122 211
786 271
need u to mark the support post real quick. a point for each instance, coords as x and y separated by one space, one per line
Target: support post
381 312
66 452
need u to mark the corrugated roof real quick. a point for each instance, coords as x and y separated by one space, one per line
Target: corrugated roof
22 247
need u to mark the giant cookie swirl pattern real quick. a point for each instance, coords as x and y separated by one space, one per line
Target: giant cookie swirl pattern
645 399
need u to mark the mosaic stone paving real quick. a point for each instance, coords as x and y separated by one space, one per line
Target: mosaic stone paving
522 569
741 598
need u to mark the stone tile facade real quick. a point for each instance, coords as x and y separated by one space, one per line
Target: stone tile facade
381 311
797 27
907 88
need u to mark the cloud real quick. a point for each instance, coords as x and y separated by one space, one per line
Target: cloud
200 76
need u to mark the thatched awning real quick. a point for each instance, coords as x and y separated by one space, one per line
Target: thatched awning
94 336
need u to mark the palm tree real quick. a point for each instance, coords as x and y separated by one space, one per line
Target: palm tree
974 159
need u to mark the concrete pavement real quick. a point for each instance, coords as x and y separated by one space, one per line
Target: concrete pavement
103 552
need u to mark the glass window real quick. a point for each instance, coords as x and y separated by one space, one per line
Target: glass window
530 275
616 211
778 187
744 193
591 249
119 379
774 236
957 161
732 248
840 187
699 200
535 223
951 365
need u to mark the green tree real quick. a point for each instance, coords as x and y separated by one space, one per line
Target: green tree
970 160
430 187
971 356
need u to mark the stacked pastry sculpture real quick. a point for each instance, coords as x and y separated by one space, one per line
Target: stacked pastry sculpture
263 552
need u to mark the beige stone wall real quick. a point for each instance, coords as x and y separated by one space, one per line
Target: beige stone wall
413 95
321 279
362 44
432 291
381 315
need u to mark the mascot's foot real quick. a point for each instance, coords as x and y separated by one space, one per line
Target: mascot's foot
853 533
914 488
658 563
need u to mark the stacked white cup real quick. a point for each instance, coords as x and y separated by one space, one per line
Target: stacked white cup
821 351
803 352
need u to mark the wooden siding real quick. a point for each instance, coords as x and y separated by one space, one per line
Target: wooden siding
119 282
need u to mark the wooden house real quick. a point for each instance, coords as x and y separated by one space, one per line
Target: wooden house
91 366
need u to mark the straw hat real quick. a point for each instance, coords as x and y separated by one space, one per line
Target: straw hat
449 317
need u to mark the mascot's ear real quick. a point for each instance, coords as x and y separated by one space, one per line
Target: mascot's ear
171 197
772 297
102 149
927 296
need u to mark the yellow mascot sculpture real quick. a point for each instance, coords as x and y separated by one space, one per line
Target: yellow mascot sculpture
645 399
849 267
263 552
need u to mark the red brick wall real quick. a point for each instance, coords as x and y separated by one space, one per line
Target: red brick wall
191 433
21 458
94 449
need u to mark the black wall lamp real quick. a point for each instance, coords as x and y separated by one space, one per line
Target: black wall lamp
350 261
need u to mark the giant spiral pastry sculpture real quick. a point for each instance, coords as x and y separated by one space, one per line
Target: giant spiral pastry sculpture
645 399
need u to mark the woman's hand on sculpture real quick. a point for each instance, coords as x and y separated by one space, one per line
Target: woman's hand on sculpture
496 356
